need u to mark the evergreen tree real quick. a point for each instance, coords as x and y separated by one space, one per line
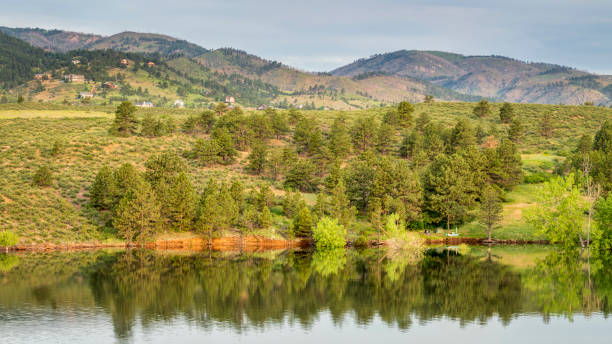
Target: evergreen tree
482 109
206 152
422 121
404 111
303 133
490 209
364 133
137 215
506 113
264 219
302 176
181 204
102 190
462 136
280 125
505 165
385 134
227 152
546 126
151 126
302 224
428 99
163 168
125 123
339 138
258 158
340 206
292 203
515 132
207 120
449 189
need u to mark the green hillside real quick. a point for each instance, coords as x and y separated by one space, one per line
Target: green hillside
74 142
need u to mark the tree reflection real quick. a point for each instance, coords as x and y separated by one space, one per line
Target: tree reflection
254 290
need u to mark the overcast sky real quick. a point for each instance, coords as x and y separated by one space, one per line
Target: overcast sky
320 35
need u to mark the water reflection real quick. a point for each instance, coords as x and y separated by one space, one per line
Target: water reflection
246 291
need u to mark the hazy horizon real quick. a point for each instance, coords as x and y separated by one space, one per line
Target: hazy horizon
321 36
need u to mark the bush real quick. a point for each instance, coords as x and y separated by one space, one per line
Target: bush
43 176
537 178
8 239
328 234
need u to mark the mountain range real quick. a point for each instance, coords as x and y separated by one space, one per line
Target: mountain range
374 81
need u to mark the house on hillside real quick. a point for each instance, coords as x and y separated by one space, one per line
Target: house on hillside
76 61
124 62
150 64
145 105
262 107
74 78
229 100
179 104
38 76
86 95
109 85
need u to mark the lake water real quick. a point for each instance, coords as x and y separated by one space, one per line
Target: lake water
508 294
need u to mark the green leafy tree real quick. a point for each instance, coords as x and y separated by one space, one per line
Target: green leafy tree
359 181
559 211
462 136
482 109
504 165
602 238
292 203
8 239
506 113
207 120
137 215
125 123
151 126
490 209
302 224
43 176
384 140
329 234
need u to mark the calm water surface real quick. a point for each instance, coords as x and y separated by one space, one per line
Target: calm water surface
528 294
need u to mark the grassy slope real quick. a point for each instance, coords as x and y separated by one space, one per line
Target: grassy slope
59 213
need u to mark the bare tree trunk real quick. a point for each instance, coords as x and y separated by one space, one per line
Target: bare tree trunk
448 222
490 232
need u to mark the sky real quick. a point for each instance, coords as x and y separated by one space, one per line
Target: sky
320 35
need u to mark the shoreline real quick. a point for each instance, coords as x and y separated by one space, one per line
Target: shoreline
248 243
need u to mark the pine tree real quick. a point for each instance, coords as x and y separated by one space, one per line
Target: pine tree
227 152
364 133
302 225
103 189
482 109
206 152
125 123
43 176
137 215
506 113
181 204
264 219
339 138
462 136
404 111
515 132
384 138
546 126
302 176
340 206
490 208
258 158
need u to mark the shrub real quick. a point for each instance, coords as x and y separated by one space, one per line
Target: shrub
43 176
8 239
328 234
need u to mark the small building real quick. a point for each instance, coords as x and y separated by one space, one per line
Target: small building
38 76
109 85
75 78
150 64
262 107
86 95
179 104
145 105
230 100
124 62
76 61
